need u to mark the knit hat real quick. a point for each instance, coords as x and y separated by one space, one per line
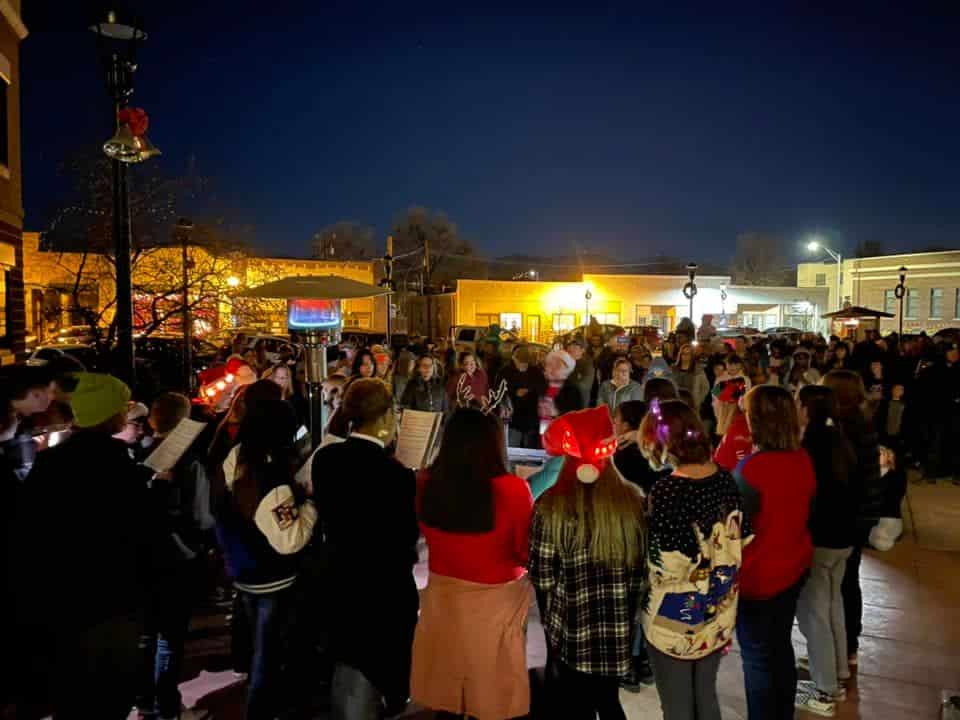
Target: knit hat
586 439
98 398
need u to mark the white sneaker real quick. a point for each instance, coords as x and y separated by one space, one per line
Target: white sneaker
810 699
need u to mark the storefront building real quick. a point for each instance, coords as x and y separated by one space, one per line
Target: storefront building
932 299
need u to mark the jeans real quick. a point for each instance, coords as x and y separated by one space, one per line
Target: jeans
94 675
687 688
853 600
267 617
769 665
161 646
575 695
353 697
821 618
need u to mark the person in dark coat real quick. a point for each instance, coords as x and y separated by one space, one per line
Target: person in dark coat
425 392
942 410
367 503
525 386
865 487
100 541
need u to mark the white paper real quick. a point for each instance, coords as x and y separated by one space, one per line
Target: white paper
417 438
174 445
230 465
301 433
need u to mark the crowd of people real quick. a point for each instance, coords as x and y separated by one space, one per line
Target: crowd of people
718 489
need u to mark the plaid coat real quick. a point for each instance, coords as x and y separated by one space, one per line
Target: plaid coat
587 609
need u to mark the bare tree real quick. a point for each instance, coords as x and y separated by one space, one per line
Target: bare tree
430 243
344 240
760 260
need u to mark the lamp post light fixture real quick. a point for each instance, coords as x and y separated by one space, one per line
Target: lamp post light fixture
816 246
690 290
117 42
587 296
723 305
899 292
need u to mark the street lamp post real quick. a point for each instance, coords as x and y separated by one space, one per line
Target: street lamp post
900 291
587 296
184 229
814 246
690 291
117 43
723 305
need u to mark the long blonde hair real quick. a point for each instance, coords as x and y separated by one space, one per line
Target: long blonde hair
605 518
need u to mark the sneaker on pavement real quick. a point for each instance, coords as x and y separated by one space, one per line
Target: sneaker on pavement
811 700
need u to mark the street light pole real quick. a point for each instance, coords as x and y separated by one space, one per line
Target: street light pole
815 245
899 292
388 283
184 228
117 43
690 292
587 296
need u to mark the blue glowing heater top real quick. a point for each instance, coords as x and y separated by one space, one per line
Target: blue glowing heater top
313 313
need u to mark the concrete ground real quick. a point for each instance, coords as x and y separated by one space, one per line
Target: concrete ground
910 649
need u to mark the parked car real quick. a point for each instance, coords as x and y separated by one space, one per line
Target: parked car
86 355
649 335
786 333
74 335
582 332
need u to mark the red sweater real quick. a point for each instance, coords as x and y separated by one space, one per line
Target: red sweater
494 557
777 489
736 444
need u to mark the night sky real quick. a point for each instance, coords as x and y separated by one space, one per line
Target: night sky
616 126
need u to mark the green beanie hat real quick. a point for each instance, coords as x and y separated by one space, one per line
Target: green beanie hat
98 398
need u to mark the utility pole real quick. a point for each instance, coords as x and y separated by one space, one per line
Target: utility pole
426 282
184 227
387 282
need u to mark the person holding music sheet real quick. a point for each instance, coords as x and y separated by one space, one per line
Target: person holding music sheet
181 497
469 652
367 512
263 522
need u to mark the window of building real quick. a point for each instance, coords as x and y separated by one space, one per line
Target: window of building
913 304
5 339
821 279
511 321
889 302
564 322
607 318
936 303
533 328
487 319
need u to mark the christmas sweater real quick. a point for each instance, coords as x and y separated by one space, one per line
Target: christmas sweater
697 532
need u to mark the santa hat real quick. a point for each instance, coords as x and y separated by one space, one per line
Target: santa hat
586 440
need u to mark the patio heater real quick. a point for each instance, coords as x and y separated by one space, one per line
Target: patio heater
314 312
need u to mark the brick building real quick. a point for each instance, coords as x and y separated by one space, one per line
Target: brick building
12 321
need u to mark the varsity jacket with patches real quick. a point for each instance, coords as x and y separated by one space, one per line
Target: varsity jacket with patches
261 550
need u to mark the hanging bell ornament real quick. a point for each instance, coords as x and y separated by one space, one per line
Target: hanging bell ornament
123 146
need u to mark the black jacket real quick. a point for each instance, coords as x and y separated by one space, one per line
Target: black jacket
866 486
85 528
833 517
367 505
525 414
635 468
426 396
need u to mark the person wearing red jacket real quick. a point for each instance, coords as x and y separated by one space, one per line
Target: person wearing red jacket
735 445
777 484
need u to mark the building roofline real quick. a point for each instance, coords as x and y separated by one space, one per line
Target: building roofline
827 261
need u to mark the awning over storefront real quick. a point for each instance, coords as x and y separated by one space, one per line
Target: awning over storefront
854 312
320 287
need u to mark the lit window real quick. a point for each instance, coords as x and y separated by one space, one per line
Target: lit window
821 279
511 321
563 322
